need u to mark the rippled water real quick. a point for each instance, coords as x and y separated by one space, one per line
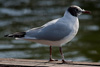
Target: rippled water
21 15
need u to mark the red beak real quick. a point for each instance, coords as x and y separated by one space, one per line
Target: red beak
87 12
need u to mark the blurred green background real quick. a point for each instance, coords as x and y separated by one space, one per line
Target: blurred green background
21 15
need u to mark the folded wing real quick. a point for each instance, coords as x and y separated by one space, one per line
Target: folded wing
52 32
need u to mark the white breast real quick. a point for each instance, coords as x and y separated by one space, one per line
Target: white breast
72 34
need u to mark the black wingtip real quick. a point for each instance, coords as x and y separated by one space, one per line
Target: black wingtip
8 35
17 34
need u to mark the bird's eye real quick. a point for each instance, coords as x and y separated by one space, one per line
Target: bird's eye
76 9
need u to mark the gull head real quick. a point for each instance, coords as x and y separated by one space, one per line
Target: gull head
76 10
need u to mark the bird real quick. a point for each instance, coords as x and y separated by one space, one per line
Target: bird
56 32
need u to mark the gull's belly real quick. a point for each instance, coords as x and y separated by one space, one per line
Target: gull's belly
55 43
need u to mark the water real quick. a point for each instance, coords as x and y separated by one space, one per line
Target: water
21 15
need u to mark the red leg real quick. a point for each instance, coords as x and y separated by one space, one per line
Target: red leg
51 59
63 61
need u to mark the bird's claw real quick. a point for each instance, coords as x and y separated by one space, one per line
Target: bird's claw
53 60
67 62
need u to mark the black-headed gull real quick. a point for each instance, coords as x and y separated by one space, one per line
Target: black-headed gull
56 32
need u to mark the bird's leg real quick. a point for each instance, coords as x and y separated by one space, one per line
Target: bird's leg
51 59
63 61
50 53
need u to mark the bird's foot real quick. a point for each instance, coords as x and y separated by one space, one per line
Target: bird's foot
67 62
52 60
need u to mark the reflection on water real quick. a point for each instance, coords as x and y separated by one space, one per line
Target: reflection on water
21 15
13 12
93 28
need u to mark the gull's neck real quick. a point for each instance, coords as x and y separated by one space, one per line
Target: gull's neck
67 16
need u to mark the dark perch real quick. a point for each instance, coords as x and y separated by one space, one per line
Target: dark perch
10 62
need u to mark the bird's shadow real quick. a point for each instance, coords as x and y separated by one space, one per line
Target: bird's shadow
81 64
85 64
